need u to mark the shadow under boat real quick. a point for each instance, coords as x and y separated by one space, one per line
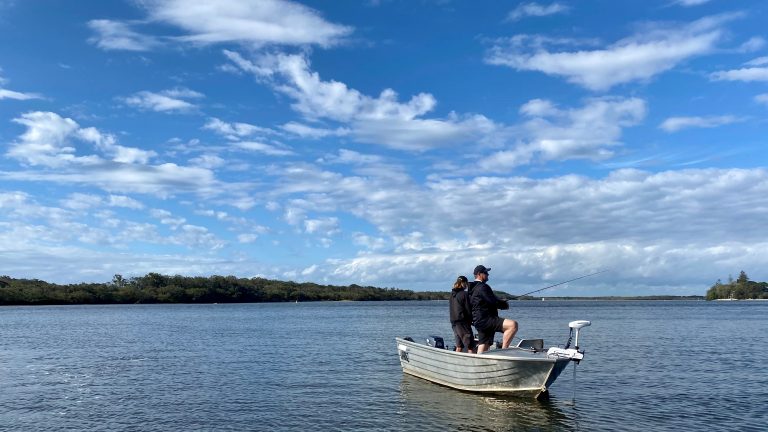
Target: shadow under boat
425 406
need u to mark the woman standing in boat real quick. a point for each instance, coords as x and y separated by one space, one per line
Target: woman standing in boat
461 316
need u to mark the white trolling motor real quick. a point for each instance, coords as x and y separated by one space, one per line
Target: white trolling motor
568 352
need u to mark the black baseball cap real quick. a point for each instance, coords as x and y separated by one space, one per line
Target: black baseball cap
481 269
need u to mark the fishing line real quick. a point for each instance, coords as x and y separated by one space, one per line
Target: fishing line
558 284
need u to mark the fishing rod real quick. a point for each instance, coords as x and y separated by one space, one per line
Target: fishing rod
561 283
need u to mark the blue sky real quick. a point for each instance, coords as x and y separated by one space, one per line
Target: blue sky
386 143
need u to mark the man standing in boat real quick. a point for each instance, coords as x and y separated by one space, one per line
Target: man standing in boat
485 312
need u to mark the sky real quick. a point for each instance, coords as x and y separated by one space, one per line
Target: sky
389 143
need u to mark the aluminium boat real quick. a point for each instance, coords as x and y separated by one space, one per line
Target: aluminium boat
523 370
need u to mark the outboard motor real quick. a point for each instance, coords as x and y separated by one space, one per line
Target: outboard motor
436 341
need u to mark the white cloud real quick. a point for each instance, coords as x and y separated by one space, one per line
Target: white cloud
424 134
674 124
637 58
754 71
115 35
10 94
760 61
259 22
80 201
688 3
31 225
536 10
107 143
164 180
324 226
208 161
166 218
253 22
46 140
628 206
305 131
30 232
754 43
76 263
551 133
49 141
248 231
172 100
316 98
125 202
762 98
539 107
743 74
294 215
636 223
247 238
309 270
266 149
369 242
238 132
130 155
346 156
563 226
234 131
382 120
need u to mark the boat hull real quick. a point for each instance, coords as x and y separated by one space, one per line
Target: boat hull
512 371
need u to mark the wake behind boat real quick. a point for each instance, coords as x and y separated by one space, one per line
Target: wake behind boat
523 370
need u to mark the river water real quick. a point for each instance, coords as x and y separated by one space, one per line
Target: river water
649 365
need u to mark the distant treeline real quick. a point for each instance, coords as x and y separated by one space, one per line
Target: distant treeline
157 288
741 289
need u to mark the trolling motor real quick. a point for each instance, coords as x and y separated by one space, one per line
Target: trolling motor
573 336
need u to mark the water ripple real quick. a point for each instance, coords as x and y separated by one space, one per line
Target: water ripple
332 366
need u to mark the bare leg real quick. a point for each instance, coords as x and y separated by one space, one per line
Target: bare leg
510 329
481 348
458 349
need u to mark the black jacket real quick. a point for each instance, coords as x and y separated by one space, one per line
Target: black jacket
461 310
484 303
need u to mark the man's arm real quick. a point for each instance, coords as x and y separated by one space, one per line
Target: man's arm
493 300
486 293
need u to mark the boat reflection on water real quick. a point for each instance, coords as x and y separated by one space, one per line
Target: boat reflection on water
427 406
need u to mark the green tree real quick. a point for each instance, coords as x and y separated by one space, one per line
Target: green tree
742 288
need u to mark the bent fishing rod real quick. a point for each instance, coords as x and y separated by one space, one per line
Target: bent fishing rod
561 283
